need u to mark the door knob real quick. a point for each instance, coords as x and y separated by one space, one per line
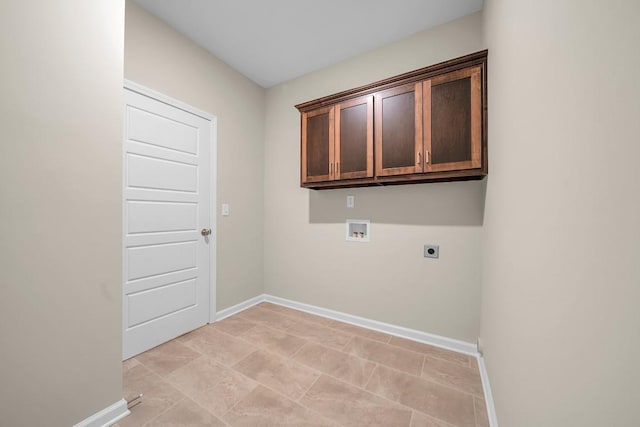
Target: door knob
205 231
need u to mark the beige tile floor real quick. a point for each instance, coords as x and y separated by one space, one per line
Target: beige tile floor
274 366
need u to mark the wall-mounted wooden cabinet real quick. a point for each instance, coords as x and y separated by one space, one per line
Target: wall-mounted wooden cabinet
452 117
337 141
354 138
399 143
318 145
428 125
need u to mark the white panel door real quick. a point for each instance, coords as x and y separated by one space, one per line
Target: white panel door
167 199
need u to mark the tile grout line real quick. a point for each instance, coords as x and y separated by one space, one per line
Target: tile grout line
315 411
311 340
449 386
392 335
320 373
475 413
429 380
240 360
165 411
253 326
307 390
370 376
385 365
393 402
153 373
207 359
292 361
353 336
260 346
439 420
424 356
430 355
260 384
216 362
357 356
347 345
322 344
206 410
293 355
232 407
388 342
283 313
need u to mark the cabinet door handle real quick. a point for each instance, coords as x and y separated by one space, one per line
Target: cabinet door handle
330 168
419 158
337 168
426 157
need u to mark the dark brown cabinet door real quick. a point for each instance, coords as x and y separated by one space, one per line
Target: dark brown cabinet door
453 121
317 145
354 138
398 130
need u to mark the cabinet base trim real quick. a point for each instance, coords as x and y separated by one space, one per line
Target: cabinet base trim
471 175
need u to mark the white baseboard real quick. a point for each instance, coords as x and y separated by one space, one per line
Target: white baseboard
399 331
488 397
230 311
108 416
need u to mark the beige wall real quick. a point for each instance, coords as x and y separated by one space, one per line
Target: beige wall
306 256
158 57
559 316
561 282
61 210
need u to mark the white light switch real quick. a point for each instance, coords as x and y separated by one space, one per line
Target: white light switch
225 209
351 201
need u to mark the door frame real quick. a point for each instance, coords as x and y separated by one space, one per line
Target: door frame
213 180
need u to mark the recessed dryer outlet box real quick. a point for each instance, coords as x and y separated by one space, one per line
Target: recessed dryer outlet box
358 230
431 251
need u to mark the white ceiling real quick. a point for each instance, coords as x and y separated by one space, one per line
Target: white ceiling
272 41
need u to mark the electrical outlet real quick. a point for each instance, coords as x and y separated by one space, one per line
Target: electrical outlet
431 251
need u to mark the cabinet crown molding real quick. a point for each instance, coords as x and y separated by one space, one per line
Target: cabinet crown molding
477 58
